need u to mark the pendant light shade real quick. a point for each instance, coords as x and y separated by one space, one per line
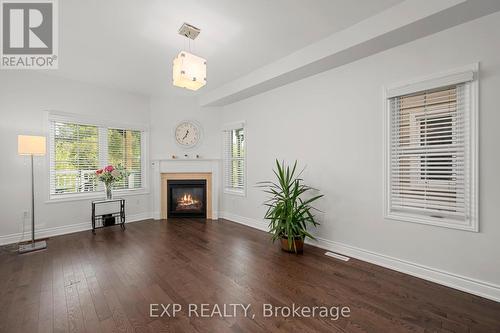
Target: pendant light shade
189 71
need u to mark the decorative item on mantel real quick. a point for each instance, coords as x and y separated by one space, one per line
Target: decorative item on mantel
109 176
186 156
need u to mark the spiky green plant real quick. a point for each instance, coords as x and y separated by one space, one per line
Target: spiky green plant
288 213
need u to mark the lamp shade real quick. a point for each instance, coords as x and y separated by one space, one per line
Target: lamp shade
189 71
31 145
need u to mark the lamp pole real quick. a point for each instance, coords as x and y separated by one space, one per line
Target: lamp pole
33 246
32 202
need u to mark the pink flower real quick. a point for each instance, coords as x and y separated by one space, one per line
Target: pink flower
115 173
98 172
109 168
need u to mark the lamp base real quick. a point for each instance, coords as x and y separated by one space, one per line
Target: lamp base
30 247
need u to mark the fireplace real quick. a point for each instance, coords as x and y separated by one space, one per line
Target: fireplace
185 178
187 198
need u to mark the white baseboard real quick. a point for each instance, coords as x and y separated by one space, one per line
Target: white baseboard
138 217
261 225
62 230
469 285
459 282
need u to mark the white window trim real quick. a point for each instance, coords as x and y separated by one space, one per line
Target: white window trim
56 198
225 189
429 82
74 118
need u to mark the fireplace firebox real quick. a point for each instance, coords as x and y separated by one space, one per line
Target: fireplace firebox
187 198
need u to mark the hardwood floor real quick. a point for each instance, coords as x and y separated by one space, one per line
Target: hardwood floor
106 283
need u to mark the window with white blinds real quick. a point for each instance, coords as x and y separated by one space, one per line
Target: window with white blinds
234 160
124 148
430 162
77 150
75 158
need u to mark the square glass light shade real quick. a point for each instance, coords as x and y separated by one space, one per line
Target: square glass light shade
31 145
189 71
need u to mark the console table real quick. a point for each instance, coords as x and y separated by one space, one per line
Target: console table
98 220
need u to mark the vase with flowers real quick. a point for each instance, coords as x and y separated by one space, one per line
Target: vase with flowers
109 176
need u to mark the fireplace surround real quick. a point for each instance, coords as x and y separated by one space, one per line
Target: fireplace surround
187 198
166 177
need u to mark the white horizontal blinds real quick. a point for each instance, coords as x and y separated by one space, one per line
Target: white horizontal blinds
77 150
429 154
234 159
75 153
124 149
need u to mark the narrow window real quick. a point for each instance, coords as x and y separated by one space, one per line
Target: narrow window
234 160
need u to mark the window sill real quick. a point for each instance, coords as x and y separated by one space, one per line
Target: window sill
240 193
94 195
442 222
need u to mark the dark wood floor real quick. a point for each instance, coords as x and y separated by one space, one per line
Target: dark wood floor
105 283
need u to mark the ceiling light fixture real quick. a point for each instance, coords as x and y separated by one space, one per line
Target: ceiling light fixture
189 71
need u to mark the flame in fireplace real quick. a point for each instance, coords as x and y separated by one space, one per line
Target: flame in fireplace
187 200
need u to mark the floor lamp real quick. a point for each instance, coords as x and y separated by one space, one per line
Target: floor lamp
32 146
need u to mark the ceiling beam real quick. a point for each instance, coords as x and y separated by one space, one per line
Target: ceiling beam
403 23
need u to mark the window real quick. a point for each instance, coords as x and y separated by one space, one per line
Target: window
77 150
431 152
234 159
124 148
76 158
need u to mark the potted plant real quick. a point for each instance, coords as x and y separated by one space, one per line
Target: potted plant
288 211
109 176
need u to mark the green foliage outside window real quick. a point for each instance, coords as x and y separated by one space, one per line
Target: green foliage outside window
77 157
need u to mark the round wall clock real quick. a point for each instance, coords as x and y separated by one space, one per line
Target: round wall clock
187 134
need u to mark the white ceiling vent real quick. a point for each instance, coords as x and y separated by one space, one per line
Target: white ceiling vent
189 31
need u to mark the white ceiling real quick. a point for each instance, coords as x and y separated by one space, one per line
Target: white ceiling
130 44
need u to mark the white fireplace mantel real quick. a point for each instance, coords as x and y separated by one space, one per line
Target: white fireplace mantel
180 165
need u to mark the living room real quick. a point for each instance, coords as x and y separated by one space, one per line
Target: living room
248 166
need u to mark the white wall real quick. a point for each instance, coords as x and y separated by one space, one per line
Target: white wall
167 112
24 96
333 123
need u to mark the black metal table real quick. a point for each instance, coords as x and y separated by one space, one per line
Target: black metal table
98 220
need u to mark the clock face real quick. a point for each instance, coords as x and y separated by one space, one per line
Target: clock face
187 134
